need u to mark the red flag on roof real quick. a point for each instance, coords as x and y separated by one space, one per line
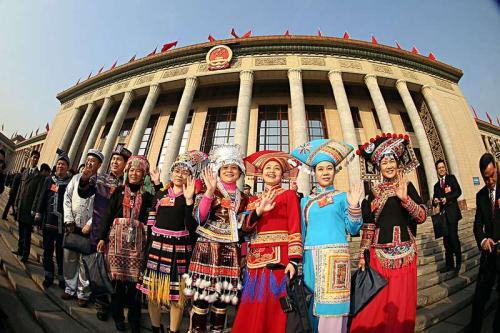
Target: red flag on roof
31 134
287 33
346 35
114 64
414 50
498 121
211 38
432 56
397 45
168 46
78 81
233 33
152 53
89 75
475 113
132 59
100 70
36 133
489 118
319 32
247 34
374 40
2 127
47 128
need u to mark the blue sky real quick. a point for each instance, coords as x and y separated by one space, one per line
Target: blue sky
46 45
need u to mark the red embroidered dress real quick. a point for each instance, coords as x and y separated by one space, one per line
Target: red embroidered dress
275 242
389 234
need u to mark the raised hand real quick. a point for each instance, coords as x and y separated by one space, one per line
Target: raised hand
210 181
86 172
155 176
402 189
188 190
266 202
355 195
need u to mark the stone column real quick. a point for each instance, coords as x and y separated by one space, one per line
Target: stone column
243 110
79 133
142 122
115 130
299 121
181 117
346 122
418 127
99 122
379 103
443 131
70 130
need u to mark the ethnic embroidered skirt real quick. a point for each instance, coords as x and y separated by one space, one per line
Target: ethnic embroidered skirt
214 272
327 272
260 309
125 254
394 308
167 259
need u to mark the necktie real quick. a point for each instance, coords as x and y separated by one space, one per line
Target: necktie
492 200
442 183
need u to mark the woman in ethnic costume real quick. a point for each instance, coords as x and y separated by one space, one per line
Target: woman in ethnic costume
124 227
391 214
327 218
275 247
170 243
214 270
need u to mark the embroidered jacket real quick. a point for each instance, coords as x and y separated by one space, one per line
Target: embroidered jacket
390 225
51 202
102 187
276 237
222 223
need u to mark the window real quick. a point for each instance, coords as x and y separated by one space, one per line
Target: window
316 123
356 118
273 128
219 127
406 122
375 115
272 133
105 132
168 133
126 127
146 138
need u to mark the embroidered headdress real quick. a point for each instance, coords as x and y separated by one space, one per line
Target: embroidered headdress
255 163
372 152
314 152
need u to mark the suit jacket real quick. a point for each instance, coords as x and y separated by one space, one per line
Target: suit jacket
451 192
27 195
487 222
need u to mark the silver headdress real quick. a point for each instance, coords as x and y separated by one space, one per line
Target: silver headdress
226 154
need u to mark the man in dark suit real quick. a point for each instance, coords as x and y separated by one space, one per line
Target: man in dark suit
30 180
446 193
487 234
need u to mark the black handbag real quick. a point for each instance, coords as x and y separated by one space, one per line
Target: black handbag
78 243
97 274
365 285
439 225
295 305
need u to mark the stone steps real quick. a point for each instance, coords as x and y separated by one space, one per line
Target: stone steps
48 314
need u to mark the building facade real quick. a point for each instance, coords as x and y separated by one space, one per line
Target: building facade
274 92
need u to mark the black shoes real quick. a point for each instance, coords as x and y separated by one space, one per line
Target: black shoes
46 283
446 269
120 326
24 260
102 316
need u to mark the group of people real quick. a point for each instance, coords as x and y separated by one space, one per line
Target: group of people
198 239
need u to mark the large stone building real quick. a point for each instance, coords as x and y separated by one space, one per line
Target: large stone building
274 92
